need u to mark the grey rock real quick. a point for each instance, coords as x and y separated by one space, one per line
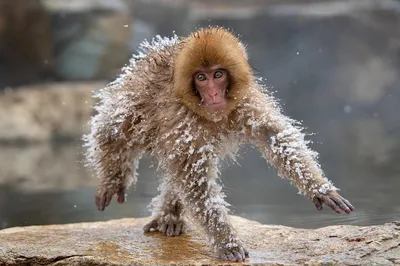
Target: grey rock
92 45
87 5
122 242
26 51
42 112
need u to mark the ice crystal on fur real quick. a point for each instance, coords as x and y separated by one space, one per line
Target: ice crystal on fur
152 108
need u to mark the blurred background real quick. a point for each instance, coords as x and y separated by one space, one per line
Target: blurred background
333 64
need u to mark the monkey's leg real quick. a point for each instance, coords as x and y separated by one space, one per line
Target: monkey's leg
205 202
167 213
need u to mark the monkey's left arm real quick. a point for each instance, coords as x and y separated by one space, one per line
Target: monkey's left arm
282 144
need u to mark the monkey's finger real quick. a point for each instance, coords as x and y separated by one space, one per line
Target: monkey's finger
108 198
121 198
147 228
238 256
341 204
222 255
100 202
332 204
246 253
178 229
241 251
170 230
152 225
347 203
121 195
317 202
184 228
163 228
230 256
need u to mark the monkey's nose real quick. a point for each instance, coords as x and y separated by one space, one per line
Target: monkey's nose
213 94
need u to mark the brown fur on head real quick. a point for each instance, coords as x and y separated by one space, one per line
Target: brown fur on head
207 47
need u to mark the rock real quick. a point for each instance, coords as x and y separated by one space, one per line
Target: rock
26 48
42 112
87 5
92 45
122 242
92 38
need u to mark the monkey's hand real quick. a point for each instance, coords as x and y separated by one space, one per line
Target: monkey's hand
333 200
169 225
104 196
233 251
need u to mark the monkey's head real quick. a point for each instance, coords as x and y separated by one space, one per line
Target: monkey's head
211 73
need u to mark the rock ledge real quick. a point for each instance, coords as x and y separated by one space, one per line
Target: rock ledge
122 242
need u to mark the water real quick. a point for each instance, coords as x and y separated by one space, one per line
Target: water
47 195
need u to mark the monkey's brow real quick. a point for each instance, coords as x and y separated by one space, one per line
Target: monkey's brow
211 67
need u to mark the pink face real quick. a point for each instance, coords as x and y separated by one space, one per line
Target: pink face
212 83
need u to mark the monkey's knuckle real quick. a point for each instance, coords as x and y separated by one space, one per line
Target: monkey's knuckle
233 251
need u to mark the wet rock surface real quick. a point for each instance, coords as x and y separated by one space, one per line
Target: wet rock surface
122 242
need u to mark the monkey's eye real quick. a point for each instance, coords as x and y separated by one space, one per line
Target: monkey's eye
218 74
201 77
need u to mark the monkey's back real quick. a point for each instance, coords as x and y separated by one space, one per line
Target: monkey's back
130 106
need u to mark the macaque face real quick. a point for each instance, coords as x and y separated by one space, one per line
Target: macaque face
212 83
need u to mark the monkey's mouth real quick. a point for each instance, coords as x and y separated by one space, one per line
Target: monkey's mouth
215 106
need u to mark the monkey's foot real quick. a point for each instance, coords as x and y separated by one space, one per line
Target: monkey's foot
233 252
169 225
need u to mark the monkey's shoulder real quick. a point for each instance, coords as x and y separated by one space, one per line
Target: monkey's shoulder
156 59
155 55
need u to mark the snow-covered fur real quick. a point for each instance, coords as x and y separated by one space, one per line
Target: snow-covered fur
151 109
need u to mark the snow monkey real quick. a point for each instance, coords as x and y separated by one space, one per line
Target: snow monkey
189 102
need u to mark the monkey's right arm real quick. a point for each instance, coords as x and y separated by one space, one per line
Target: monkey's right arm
282 144
111 155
